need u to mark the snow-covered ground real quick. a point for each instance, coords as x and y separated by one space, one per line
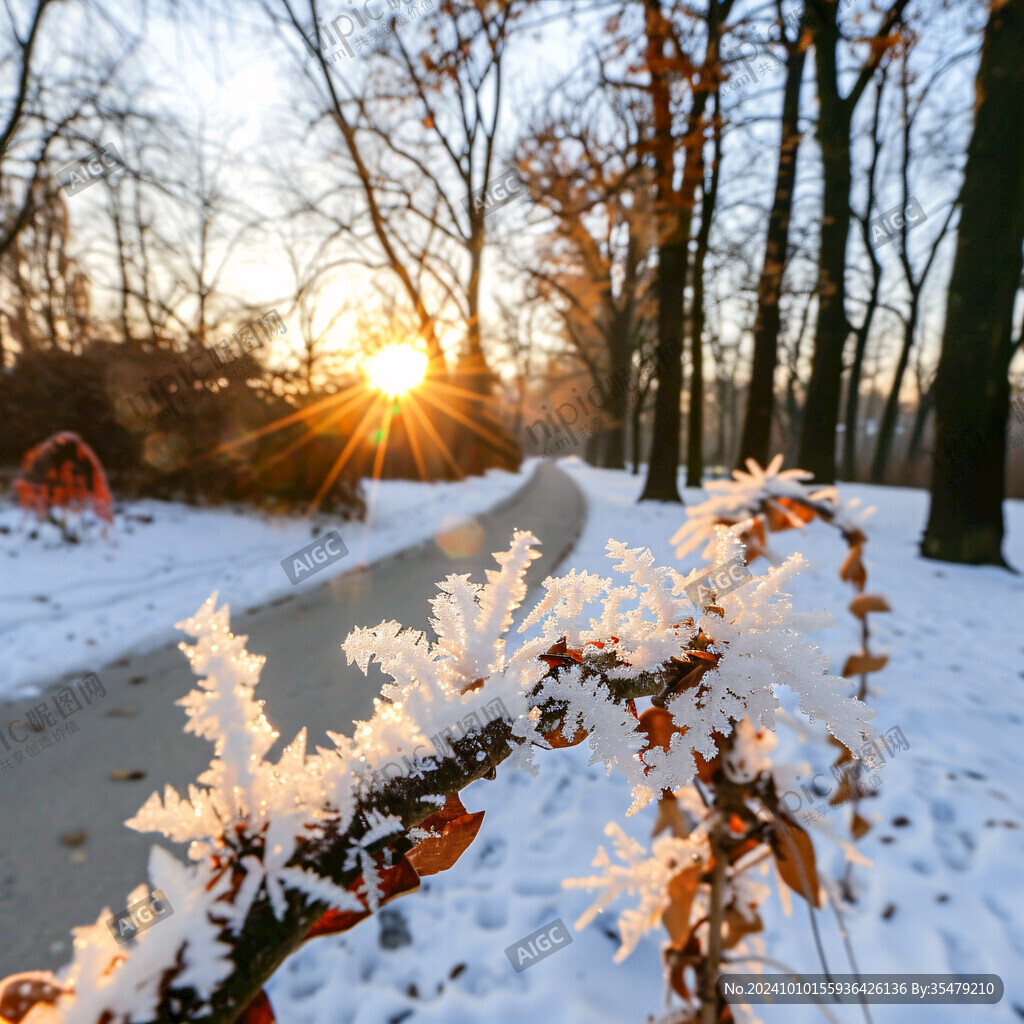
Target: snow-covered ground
943 892
73 610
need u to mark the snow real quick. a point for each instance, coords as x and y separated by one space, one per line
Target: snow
956 699
66 610
938 881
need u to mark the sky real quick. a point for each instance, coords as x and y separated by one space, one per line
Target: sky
228 66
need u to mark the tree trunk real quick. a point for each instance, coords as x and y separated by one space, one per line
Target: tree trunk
695 427
673 236
793 410
675 218
972 390
639 400
864 331
636 442
616 390
757 427
887 428
821 409
924 406
856 374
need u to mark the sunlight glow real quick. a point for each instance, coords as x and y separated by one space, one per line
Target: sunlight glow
396 369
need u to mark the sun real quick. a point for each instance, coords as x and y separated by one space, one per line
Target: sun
396 369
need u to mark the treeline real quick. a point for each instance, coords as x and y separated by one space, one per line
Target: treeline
778 227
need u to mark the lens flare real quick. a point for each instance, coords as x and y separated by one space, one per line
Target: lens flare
396 369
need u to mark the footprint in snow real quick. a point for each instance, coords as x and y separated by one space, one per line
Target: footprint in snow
492 911
558 801
493 853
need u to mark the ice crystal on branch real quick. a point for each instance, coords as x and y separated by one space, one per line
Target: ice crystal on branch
641 874
435 684
240 786
722 662
125 982
746 496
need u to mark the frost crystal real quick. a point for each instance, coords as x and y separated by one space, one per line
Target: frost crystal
650 624
748 494
641 874
130 990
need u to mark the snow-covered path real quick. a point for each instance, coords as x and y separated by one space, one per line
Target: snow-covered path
65 611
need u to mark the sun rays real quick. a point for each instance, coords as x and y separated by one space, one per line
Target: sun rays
397 380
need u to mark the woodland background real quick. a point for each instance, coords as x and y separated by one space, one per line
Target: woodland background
705 182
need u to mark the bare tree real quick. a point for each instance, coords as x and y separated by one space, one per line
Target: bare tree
419 133
585 170
755 442
835 114
915 279
697 318
863 331
665 57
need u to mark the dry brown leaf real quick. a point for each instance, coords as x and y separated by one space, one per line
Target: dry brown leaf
755 541
857 664
670 817
859 826
439 853
659 726
844 792
677 979
677 960
736 926
711 659
864 603
794 855
778 521
706 769
852 569
559 655
803 512
676 917
742 849
844 755
453 808
556 738
20 992
457 829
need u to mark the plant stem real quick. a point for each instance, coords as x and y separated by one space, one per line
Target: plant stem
709 969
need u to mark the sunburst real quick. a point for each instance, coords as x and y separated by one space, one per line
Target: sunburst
397 380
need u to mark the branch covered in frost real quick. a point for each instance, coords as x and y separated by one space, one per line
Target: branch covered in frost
778 494
276 845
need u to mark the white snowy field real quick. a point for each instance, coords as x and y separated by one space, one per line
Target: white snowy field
69 610
942 892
